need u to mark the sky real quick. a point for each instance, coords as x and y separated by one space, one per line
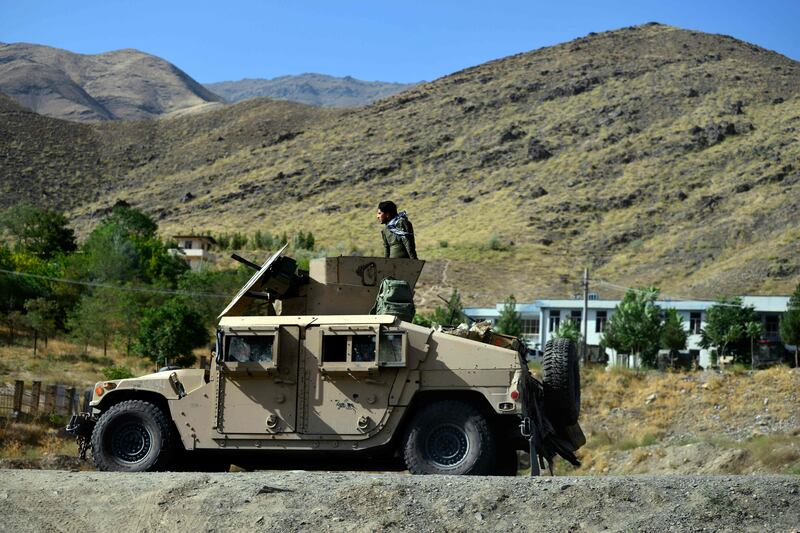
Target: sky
370 40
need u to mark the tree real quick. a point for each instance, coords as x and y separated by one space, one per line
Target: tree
169 333
41 232
42 318
790 324
211 283
568 330
635 326
726 328
509 321
134 222
103 315
673 334
453 314
753 330
123 248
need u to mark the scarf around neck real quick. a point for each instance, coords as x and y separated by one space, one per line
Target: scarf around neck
392 225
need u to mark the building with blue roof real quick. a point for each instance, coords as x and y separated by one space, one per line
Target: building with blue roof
543 317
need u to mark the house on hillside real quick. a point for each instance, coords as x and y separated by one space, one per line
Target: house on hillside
194 249
543 317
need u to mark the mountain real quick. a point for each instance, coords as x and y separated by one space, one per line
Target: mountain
312 89
124 84
651 154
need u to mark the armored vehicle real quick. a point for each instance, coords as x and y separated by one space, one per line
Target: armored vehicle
304 375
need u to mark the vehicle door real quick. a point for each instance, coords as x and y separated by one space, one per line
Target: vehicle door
257 387
350 372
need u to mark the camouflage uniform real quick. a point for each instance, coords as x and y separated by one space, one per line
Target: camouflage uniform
398 237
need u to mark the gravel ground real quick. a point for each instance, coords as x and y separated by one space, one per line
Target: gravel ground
37 500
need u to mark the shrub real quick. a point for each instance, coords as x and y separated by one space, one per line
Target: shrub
116 372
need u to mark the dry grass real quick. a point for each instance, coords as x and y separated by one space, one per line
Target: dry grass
654 421
62 362
34 440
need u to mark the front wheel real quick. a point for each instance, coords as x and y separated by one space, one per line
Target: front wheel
132 436
449 437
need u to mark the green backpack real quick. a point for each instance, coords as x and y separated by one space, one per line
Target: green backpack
394 298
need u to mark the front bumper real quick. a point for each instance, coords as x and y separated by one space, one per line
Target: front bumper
81 426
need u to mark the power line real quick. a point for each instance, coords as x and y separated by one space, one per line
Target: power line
113 287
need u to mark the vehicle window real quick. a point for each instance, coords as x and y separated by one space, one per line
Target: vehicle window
391 348
250 349
334 349
363 348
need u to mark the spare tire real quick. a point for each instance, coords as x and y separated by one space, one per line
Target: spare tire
562 382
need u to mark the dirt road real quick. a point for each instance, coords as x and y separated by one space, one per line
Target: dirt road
36 500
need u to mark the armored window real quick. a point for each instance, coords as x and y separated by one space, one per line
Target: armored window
334 349
348 349
363 348
391 349
250 349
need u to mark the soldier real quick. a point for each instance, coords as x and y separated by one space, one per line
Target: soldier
397 233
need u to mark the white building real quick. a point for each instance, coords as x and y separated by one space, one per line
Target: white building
194 249
543 317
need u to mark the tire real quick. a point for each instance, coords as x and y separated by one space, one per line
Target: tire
451 438
561 380
132 436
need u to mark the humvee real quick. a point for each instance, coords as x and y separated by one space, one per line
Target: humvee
303 375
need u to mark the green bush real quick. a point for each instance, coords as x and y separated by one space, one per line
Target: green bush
116 372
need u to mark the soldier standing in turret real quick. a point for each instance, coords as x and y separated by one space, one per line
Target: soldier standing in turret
397 232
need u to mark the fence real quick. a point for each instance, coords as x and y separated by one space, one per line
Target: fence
21 402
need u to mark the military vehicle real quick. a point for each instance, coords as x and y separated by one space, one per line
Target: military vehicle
304 375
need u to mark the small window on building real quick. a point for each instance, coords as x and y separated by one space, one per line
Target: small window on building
577 318
600 321
250 349
187 245
695 323
530 326
771 325
555 321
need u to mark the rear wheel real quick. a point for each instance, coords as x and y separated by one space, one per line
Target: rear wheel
561 380
132 436
449 437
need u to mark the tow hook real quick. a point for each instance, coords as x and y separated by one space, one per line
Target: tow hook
81 425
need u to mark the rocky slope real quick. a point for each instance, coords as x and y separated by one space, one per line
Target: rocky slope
124 84
651 154
311 89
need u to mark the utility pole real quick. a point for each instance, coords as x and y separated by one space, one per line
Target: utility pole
585 314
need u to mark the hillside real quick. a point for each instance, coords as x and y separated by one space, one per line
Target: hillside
312 89
124 84
652 154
